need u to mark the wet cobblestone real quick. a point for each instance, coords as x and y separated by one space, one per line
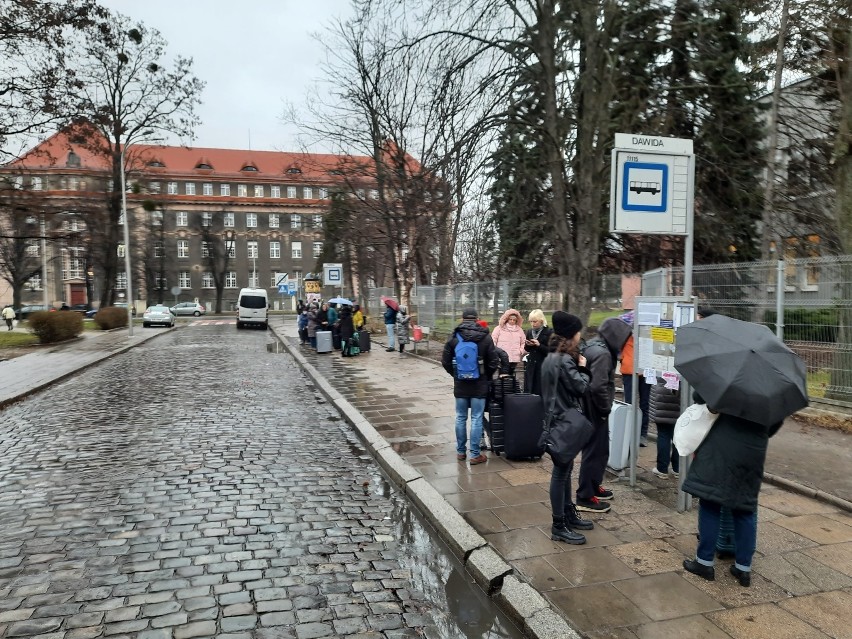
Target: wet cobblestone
198 486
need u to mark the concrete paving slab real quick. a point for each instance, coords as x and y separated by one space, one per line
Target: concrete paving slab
800 575
524 515
612 633
522 543
817 528
693 627
666 596
526 494
592 566
540 574
837 556
480 500
485 523
828 611
597 607
649 557
728 592
772 538
790 504
766 621
525 476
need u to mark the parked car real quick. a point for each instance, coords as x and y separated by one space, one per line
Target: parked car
90 313
77 308
158 315
188 308
25 311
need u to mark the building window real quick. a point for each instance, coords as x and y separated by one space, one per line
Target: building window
231 247
251 248
317 221
158 249
231 279
275 191
308 193
183 279
228 220
172 187
242 190
296 250
156 218
296 276
207 280
273 280
317 249
224 189
120 250
181 218
36 184
121 280
258 190
275 250
273 220
206 218
207 188
251 220
34 283
359 193
183 248
295 221
291 192
190 188
253 282
323 194
205 249
161 283
31 248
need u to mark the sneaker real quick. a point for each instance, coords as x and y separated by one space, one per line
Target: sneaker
389 350
659 473
675 473
604 494
705 572
593 505
643 441
480 458
744 576
461 456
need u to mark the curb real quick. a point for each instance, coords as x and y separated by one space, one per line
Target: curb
528 608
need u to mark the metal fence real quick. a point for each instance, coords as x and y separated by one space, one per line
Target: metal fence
808 302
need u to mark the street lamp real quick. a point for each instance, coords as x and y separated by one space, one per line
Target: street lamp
128 277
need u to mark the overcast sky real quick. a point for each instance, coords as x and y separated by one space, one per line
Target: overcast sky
254 57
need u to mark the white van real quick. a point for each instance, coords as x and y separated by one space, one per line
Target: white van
252 307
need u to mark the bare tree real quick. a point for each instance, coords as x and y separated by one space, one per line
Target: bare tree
128 96
217 250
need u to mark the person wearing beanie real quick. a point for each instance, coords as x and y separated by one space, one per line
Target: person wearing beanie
470 394
602 355
564 381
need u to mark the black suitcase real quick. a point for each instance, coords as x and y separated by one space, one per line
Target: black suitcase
364 341
335 341
523 416
493 426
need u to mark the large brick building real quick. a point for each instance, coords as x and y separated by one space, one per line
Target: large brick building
267 207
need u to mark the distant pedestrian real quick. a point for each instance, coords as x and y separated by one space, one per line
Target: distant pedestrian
536 346
471 358
347 329
9 315
402 324
358 318
302 325
390 326
509 336
313 325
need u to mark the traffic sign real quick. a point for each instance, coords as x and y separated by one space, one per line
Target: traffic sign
281 278
282 288
332 274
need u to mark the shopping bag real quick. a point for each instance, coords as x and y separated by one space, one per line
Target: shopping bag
692 427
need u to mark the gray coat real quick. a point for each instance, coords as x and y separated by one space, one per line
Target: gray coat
402 322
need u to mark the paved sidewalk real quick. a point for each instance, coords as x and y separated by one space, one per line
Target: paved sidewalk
627 582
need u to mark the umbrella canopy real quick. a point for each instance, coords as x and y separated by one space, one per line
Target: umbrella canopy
741 369
340 300
390 302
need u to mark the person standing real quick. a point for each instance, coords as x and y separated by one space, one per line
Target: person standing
643 389
390 326
402 322
509 336
313 325
601 354
358 318
564 380
346 328
665 409
537 346
9 315
471 380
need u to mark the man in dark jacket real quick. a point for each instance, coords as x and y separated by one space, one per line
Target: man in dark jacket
601 355
470 394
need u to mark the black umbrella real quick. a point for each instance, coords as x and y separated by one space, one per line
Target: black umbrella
741 369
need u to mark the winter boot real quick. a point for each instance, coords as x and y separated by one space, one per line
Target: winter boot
573 519
560 532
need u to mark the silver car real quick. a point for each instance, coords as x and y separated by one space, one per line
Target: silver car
188 308
158 315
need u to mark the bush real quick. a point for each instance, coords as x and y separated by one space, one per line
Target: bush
807 324
111 317
55 326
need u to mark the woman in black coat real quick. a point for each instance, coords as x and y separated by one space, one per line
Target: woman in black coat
538 339
347 329
727 471
663 410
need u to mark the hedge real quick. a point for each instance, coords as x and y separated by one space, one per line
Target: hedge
111 317
55 326
807 324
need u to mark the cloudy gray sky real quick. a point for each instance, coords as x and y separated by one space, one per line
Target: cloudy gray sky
254 57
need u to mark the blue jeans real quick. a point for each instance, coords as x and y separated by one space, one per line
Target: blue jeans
666 451
477 407
391 328
644 398
560 489
745 534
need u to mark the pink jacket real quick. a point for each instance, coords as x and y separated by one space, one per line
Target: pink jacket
510 338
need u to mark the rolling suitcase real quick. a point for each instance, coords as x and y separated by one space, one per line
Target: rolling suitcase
523 416
354 345
324 342
493 427
364 341
336 342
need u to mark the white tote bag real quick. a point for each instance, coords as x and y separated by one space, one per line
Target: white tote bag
692 427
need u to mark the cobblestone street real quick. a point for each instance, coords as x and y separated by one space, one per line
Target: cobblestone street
198 486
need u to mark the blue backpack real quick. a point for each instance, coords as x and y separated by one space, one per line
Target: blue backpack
467 359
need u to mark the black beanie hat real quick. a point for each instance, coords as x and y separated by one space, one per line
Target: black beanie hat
566 325
469 313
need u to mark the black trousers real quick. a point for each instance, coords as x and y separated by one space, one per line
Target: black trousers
593 464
